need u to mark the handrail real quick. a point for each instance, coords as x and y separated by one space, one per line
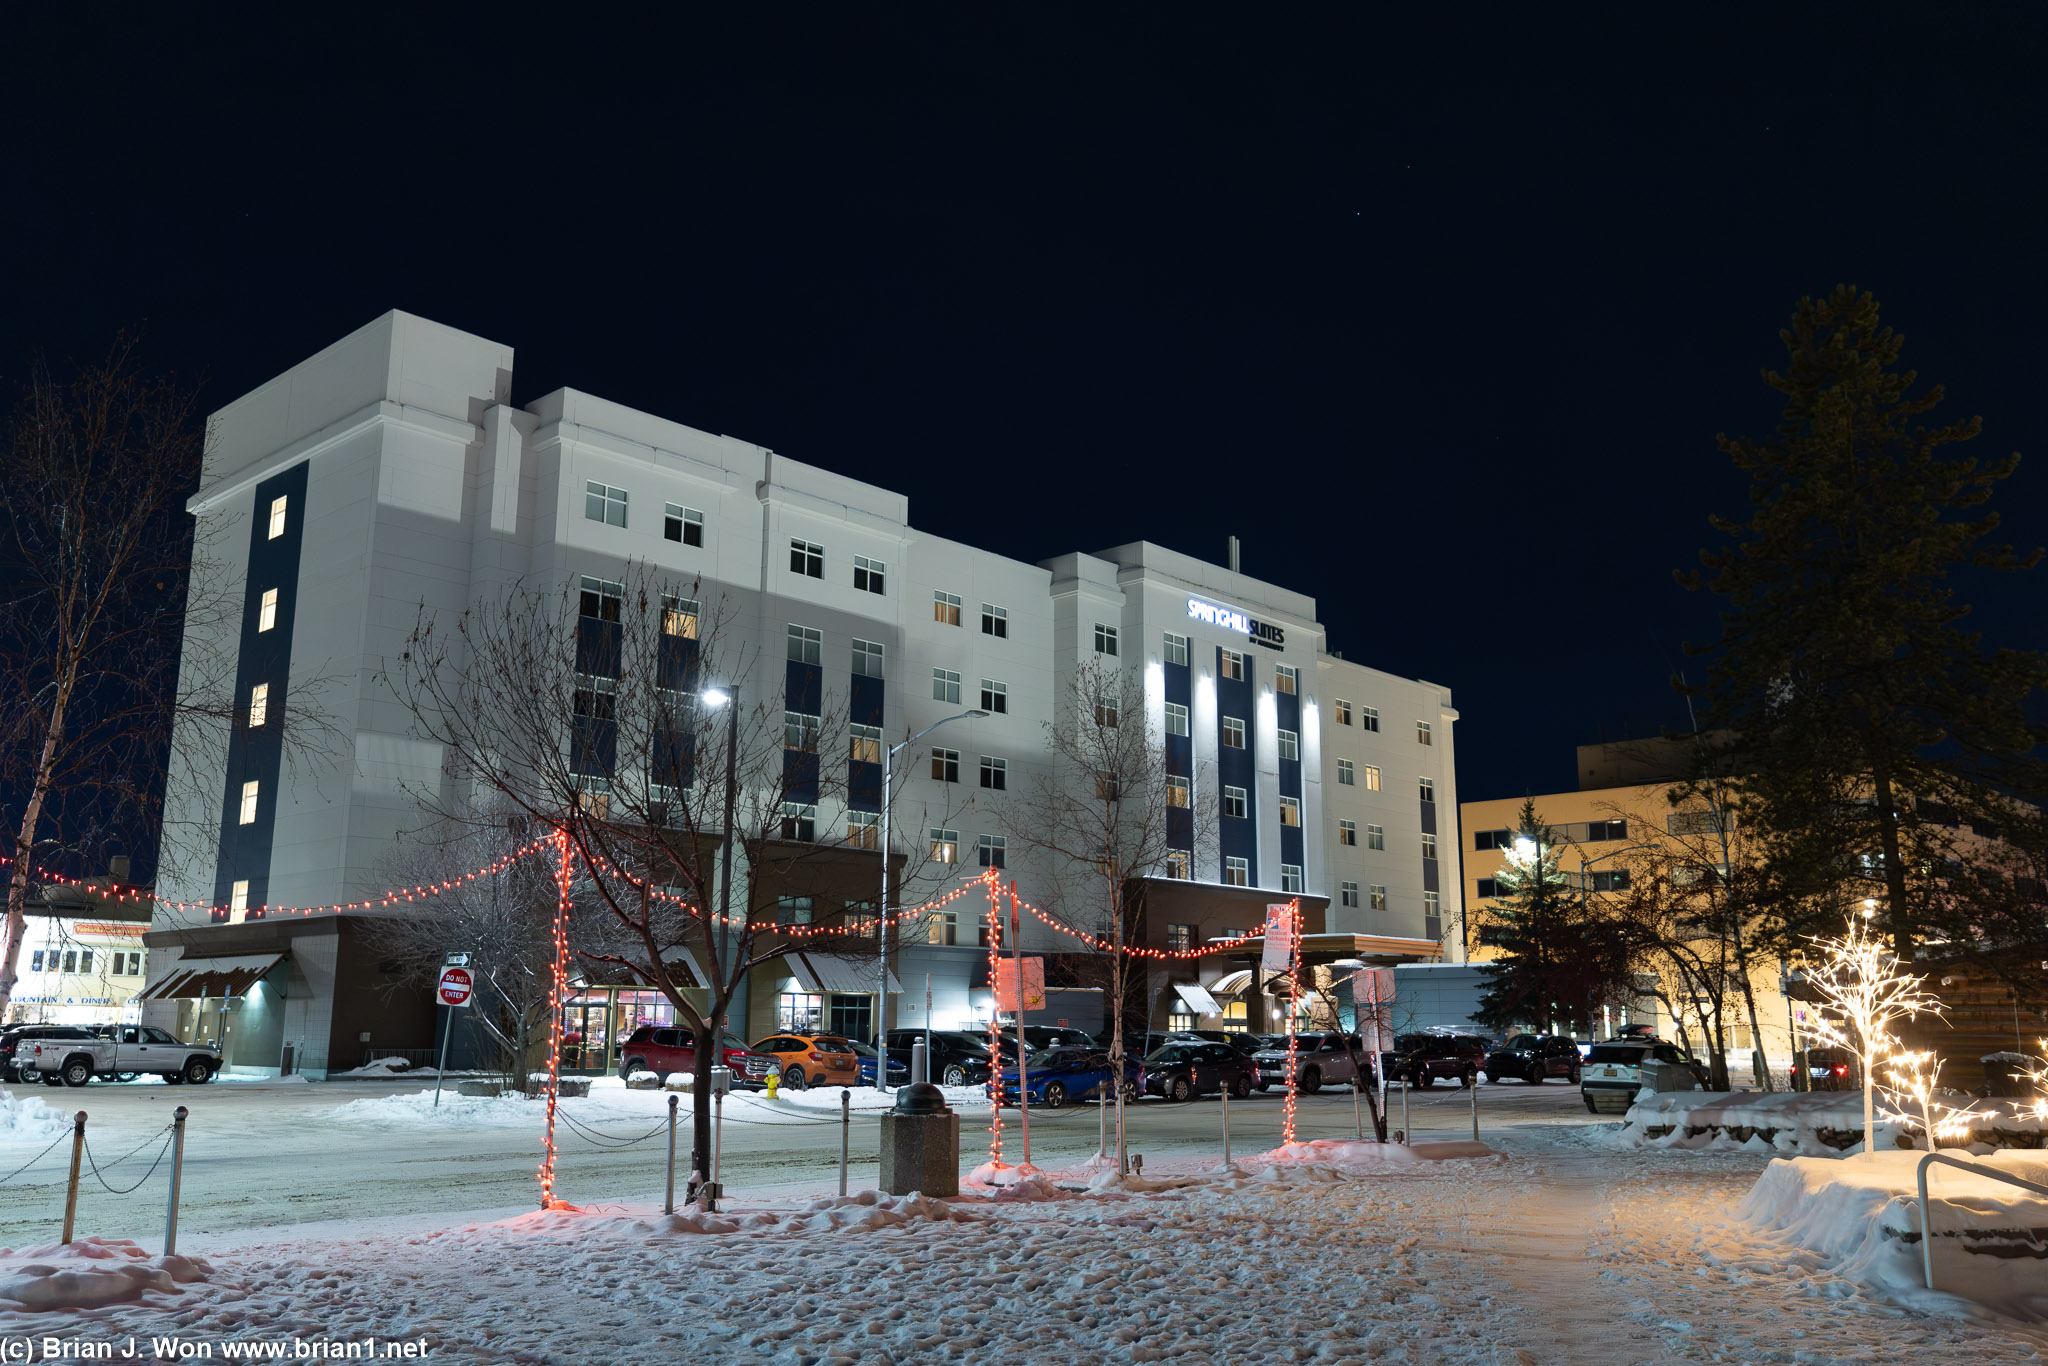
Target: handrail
1926 1228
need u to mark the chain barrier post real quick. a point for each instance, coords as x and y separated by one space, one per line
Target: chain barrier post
668 1205
178 1117
1407 1134
718 1089
1474 1089
1226 1126
71 1194
845 1133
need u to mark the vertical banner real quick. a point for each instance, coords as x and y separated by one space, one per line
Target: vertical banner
1279 949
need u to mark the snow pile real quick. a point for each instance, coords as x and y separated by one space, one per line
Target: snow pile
1348 1152
386 1067
1001 1174
862 1213
89 1273
1803 1123
1863 1218
30 1119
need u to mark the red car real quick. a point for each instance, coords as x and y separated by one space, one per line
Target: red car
652 1048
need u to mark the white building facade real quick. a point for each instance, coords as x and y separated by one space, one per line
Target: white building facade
388 473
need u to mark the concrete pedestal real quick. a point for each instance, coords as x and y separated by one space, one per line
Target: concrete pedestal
921 1153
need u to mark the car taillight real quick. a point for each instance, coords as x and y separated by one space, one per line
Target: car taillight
817 1057
1841 1071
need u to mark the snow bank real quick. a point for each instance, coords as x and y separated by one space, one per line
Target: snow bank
89 1273
29 1119
1863 1216
1805 1123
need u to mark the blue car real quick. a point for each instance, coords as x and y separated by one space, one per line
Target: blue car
1068 1072
899 1073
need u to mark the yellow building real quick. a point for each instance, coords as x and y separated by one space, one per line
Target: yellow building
1620 822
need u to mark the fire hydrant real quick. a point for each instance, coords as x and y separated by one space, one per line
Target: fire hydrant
774 1082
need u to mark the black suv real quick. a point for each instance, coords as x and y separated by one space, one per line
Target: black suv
1183 1070
11 1040
957 1057
1535 1058
1423 1059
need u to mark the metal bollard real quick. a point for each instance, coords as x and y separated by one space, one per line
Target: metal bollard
178 1117
1226 1126
668 1205
1474 1089
845 1132
1406 1131
1357 1119
711 1191
71 1195
920 1066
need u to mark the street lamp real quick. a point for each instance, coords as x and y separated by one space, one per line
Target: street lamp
730 700
882 921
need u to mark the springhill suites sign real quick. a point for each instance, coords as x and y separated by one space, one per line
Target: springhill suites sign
1230 619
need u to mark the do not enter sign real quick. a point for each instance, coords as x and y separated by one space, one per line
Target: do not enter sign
455 986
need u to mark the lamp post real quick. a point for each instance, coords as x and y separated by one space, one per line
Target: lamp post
889 753
729 698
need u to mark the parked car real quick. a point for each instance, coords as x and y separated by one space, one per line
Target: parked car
1830 1069
1184 1070
1318 1059
1057 1075
1422 1060
1141 1043
664 1049
11 1040
957 1057
1616 1066
899 1072
1535 1058
813 1059
1050 1036
63 1061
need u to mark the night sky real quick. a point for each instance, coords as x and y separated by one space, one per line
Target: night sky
1440 316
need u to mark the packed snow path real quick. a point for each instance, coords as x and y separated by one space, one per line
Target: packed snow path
1556 1252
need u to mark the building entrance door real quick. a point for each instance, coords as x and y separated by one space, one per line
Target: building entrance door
586 1034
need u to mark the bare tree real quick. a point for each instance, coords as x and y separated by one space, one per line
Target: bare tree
504 923
1109 813
617 715
1695 910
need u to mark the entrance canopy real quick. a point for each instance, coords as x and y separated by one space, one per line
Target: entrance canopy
818 973
194 977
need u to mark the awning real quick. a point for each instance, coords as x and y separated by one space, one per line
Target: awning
192 977
1232 983
1197 997
818 973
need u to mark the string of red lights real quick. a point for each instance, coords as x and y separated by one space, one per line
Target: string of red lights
995 1033
864 925
394 897
558 991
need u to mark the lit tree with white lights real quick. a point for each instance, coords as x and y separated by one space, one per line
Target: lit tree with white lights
1859 980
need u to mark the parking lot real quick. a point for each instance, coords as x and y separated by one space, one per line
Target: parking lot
266 1153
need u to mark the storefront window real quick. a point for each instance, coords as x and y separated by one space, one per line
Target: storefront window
853 1016
637 1008
799 1013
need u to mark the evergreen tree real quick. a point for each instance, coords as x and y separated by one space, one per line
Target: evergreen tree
1556 964
1870 727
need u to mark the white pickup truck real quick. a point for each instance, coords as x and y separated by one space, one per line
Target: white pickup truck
132 1049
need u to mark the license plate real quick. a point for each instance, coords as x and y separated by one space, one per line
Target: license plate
1817 1071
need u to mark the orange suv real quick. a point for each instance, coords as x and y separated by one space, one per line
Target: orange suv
813 1059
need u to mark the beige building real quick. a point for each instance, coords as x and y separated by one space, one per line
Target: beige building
1620 820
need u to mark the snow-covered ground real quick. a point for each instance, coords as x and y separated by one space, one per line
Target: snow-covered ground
1556 1249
